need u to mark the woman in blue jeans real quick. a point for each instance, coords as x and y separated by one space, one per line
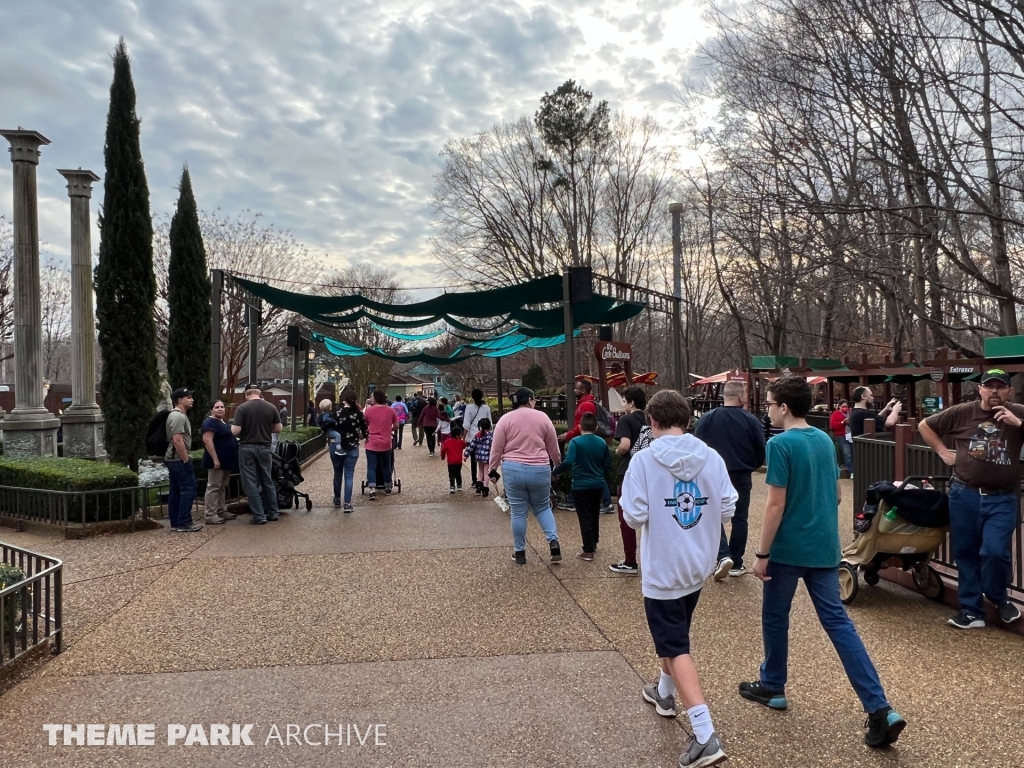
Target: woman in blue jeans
525 446
350 427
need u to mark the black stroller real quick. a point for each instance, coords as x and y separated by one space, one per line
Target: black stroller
899 527
396 483
286 473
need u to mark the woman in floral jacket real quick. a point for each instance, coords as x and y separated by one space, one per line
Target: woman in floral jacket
351 426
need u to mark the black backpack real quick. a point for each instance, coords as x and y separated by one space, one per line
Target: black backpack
156 435
604 421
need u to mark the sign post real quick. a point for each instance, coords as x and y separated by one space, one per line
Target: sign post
607 353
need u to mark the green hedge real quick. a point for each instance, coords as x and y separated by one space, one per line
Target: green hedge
301 435
59 474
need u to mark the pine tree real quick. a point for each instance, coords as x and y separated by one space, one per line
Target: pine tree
125 285
188 303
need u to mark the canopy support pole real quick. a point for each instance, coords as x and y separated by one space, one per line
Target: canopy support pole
217 284
501 396
676 209
296 351
254 335
570 357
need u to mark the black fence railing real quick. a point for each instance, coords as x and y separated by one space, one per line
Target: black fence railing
64 508
312 447
31 610
874 460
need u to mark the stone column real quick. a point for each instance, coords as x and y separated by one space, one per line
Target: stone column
83 420
29 430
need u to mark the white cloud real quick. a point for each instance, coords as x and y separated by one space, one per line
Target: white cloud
327 117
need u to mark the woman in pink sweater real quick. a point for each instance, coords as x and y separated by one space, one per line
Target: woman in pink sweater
525 447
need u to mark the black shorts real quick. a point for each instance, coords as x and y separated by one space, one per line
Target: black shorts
669 621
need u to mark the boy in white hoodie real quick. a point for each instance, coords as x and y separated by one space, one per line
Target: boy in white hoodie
678 494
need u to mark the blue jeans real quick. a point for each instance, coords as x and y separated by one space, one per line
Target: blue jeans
823 587
528 486
734 546
846 448
373 458
980 531
344 462
254 463
182 493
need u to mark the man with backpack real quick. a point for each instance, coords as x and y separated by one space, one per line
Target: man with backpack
180 472
415 406
587 403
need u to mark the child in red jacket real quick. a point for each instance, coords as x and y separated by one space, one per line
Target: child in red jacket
451 451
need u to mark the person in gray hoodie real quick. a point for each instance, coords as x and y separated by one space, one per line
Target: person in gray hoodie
678 494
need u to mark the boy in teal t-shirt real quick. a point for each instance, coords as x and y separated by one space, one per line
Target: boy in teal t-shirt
590 462
800 540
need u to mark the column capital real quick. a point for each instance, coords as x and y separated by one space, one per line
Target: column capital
24 145
79 181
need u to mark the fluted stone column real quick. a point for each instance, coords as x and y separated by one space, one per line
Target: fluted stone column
83 420
29 430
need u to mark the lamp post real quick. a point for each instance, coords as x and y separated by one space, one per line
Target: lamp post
676 209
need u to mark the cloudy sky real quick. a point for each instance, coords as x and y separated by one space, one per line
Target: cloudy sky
326 116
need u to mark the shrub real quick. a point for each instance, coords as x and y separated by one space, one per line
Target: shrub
56 474
10 574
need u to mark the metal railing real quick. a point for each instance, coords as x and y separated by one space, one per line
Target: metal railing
874 460
312 447
31 610
63 508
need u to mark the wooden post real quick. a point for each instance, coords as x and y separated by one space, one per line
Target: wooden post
904 437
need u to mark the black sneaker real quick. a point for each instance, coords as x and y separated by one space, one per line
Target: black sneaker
485 492
965 620
1008 612
337 503
519 556
722 569
452 489
254 521
623 567
760 694
884 727
556 552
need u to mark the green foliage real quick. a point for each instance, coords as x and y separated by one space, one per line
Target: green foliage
300 435
567 123
188 304
125 285
57 474
10 575
534 378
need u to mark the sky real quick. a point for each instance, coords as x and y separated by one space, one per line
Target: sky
326 117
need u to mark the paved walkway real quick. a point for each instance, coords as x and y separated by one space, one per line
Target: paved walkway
410 614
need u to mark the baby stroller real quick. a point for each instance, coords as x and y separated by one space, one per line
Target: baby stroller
286 473
899 527
396 484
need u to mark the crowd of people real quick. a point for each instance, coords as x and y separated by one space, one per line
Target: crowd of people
679 490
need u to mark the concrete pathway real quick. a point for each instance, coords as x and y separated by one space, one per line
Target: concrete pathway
408 621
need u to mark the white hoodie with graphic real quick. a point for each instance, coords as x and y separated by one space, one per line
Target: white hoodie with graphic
678 494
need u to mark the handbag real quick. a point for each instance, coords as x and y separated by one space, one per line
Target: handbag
501 499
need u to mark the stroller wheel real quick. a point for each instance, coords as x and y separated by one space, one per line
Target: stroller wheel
928 581
848 584
871 578
398 486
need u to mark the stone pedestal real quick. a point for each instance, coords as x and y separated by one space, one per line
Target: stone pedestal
83 420
29 430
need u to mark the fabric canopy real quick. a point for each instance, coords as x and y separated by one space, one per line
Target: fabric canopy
510 304
407 336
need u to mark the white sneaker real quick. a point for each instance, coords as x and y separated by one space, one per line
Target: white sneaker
723 568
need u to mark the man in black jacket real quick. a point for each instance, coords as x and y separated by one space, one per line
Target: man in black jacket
738 438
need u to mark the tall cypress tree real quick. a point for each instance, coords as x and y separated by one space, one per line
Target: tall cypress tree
125 285
188 302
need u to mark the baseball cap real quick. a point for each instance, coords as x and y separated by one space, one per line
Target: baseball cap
179 393
252 387
283 402
997 374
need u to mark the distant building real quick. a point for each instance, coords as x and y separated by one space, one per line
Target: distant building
405 385
443 384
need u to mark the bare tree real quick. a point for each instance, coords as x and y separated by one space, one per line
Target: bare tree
55 302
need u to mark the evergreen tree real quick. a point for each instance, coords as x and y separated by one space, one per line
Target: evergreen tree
125 285
534 378
188 304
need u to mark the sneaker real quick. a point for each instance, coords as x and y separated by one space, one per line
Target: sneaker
188 528
452 489
373 494
519 556
566 507
699 755
348 508
387 490
254 521
1008 612
556 552
723 568
458 488
225 516
485 492
588 556
337 503
478 490
273 519
760 694
965 620
737 571
608 510
215 520
624 567
884 727
663 705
